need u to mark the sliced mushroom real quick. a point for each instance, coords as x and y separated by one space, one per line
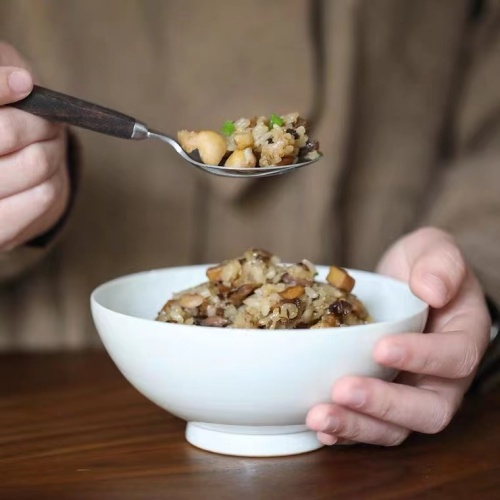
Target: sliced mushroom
214 321
240 294
340 307
288 279
202 310
261 254
214 274
286 160
191 300
309 148
222 290
327 321
292 292
339 278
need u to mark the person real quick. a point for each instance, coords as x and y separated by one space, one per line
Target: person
404 99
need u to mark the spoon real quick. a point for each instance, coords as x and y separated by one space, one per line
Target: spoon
58 107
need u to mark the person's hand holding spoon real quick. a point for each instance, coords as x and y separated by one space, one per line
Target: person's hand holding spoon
34 185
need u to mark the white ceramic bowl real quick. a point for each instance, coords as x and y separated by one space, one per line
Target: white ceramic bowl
243 392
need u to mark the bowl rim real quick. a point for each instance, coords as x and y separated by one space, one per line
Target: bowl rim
422 309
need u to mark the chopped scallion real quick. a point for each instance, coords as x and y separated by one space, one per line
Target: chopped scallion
228 127
275 120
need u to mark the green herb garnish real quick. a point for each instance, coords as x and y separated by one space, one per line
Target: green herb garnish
228 128
275 120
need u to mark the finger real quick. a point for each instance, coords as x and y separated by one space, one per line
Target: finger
468 312
348 425
19 129
330 439
33 165
326 439
19 212
414 408
430 261
15 84
438 273
449 355
455 351
51 216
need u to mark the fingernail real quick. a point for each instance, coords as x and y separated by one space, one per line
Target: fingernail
331 424
20 82
392 354
355 398
327 439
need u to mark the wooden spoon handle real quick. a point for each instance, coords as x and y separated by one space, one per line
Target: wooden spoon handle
58 107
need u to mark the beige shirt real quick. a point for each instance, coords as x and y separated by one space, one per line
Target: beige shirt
409 127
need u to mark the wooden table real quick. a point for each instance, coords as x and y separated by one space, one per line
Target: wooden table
72 427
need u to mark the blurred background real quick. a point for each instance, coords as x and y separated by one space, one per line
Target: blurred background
381 82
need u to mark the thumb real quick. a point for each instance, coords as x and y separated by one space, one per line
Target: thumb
431 262
15 84
15 80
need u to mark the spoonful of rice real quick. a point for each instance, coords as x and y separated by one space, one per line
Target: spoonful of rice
256 147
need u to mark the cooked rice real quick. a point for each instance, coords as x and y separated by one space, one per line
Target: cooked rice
258 291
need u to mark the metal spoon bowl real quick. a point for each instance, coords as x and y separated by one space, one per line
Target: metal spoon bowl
63 108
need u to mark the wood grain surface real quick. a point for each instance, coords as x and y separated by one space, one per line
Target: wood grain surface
71 427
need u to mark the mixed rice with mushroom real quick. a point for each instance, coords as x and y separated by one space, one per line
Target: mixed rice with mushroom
253 142
257 290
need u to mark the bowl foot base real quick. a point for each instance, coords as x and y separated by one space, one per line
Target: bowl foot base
252 441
